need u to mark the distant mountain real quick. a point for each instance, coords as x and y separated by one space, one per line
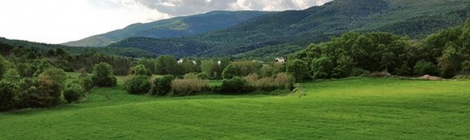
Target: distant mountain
174 27
285 32
128 52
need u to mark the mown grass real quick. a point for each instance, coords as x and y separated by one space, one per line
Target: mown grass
357 108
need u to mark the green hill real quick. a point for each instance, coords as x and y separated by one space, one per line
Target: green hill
358 108
174 27
8 44
285 32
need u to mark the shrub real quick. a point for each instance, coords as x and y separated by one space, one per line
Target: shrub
425 67
86 82
235 85
50 88
8 95
203 76
141 70
187 86
103 75
139 84
299 69
279 81
230 71
190 76
73 92
161 86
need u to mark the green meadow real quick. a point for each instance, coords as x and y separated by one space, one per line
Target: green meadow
353 108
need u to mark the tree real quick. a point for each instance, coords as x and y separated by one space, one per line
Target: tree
211 68
298 68
322 68
8 95
423 67
51 84
103 75
165 65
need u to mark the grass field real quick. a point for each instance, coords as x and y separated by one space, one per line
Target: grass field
357 108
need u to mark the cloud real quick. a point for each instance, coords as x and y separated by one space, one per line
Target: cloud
188 7
58 21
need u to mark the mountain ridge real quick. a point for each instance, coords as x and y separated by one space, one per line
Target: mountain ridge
316 24
173 27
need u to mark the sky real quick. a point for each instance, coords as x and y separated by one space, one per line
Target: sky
60 21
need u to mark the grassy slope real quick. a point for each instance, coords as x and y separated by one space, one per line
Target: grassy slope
344 109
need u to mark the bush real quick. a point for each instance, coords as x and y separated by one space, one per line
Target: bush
139 84
8 95
203 76
235 85
162 86
190 76
50 88
86 82
425 67
279 81
103 75
74 92
141 70
230 71
187 86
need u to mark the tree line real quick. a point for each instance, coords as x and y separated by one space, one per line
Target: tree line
445 53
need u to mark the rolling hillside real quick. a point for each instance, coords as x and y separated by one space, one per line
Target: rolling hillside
174 27
285 32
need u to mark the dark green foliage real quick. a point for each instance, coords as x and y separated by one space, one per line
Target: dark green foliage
8 95
231 71
86 82
148 63
466 66
138 84
321 68
103 75
73 92
51 84
424 67
88 59
374 52
165 64
298 68
141 70
235 85
162 85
